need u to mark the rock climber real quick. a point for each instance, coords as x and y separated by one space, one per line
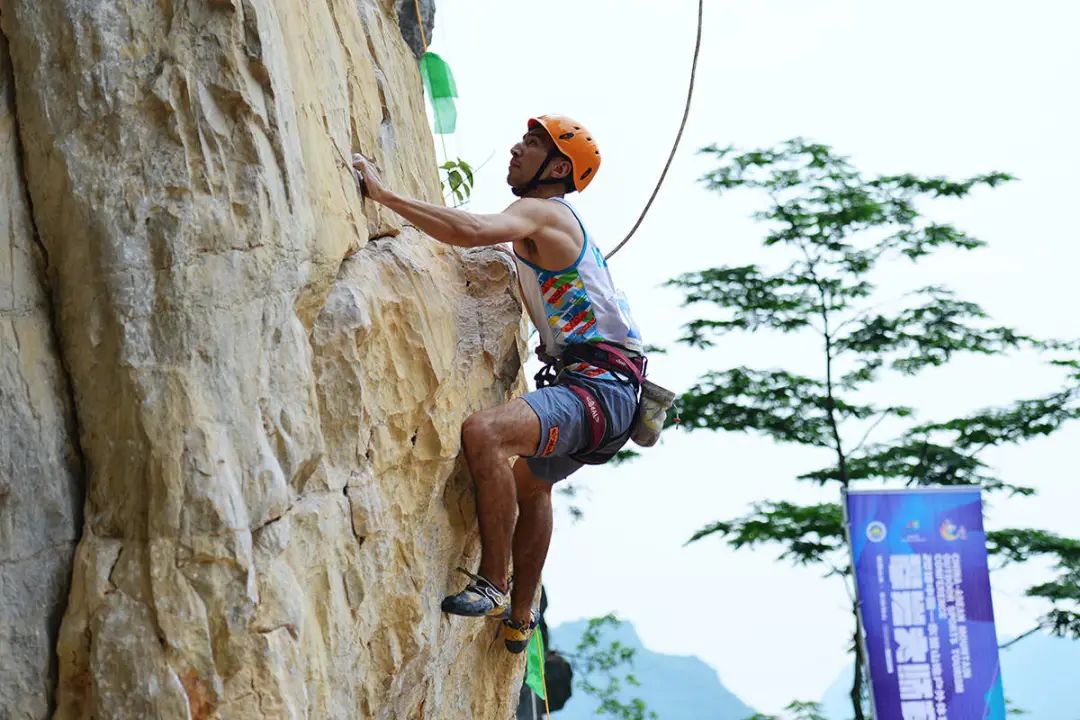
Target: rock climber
587 394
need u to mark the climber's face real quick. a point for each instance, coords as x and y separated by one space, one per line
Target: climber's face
528 155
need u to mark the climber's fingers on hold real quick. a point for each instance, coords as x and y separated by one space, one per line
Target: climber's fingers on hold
369 176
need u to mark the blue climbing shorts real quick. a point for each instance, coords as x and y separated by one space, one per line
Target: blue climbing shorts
564 428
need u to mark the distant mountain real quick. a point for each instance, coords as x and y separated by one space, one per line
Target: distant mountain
675 687
1040 674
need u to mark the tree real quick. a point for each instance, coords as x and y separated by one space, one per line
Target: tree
1062 592
798 711
603 670
834 227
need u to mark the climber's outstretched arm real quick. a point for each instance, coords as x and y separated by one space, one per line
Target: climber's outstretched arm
456 227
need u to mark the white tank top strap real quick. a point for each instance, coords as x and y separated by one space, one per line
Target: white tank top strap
579 303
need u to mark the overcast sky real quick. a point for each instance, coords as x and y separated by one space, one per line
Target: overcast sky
931 87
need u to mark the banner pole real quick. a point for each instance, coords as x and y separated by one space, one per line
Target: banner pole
858 602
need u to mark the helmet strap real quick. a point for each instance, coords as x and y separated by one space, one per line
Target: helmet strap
521 190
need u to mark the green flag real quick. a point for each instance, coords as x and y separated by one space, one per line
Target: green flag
534 664
445 115
441 88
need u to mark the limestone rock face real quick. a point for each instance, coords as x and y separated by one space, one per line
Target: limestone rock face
270 433
40 476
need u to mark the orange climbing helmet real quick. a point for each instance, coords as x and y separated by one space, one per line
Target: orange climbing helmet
573 141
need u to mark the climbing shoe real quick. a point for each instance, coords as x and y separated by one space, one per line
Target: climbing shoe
480 597
516 635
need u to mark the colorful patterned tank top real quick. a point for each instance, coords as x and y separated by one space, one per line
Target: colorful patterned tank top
578 304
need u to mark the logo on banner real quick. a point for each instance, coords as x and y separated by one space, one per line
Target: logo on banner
951 531
876 532
912 534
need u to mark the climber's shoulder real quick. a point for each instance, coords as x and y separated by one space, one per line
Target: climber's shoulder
549 220
555 238
539 211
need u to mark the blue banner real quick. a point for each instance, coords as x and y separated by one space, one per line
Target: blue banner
923 586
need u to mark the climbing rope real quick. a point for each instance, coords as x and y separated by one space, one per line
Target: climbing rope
420 24
678 137
423 44
543 680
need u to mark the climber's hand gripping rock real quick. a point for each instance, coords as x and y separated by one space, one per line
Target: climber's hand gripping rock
370 180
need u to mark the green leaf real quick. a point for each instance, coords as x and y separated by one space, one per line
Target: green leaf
467 169
1063 591
752 299
624 456
1021 545
940 186
1022 420
805 711
806 533
915 460
929 334
821 204
602 668
778 404
1063 623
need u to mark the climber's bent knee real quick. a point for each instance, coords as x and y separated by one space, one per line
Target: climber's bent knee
507 430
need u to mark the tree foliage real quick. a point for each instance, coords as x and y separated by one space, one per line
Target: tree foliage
796 710
832 229
807 534
1063 591
604 671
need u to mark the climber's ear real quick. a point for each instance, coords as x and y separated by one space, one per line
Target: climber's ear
560 168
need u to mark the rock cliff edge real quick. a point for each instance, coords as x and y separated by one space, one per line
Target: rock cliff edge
230 483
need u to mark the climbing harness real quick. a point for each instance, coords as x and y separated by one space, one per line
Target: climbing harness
625 365
653 401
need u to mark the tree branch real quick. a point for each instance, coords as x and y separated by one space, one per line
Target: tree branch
881 417
1020 637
